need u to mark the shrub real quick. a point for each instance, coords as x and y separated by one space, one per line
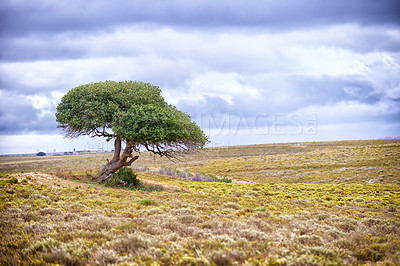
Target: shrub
50 211
147 202
13 180
197 177
188 261
232 205
321 251
220 258
105 257
311 240
223 180
124 177
167 171
130 244
150 188
45 245
188 219
111 182
184 175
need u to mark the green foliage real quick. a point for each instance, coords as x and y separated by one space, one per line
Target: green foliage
11 180
96 105
223 180
124 177
159 124
133 111
147 202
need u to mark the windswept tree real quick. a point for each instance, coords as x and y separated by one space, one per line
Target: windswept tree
129 112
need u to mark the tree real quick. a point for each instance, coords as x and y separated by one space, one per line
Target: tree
129 112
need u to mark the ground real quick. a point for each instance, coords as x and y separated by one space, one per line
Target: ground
288 204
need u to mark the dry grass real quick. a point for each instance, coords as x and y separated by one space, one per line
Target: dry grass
295 204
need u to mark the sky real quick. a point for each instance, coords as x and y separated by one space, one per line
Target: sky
248 72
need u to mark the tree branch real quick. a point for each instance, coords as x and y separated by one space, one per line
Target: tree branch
132 160
101 133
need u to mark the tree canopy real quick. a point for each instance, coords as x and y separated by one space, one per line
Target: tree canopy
129 111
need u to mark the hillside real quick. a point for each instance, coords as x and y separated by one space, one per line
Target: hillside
290 204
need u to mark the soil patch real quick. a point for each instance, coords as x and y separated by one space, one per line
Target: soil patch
53 181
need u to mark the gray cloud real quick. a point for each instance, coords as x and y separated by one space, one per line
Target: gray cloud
334 100
19 116
22 17
36 47
337 59
297 91
217 51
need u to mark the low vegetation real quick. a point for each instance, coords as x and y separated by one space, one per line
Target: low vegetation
287 204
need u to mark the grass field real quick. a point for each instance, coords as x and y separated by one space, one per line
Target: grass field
288 204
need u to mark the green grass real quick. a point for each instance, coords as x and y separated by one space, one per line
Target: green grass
288 204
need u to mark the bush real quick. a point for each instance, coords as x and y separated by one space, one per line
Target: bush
150 188
13 180
124 177
168 171
147 202
224 180
197 177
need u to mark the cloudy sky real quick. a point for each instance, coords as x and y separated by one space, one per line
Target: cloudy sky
247 71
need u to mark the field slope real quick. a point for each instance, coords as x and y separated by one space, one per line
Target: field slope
288 204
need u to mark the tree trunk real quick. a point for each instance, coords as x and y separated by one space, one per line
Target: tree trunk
118 161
